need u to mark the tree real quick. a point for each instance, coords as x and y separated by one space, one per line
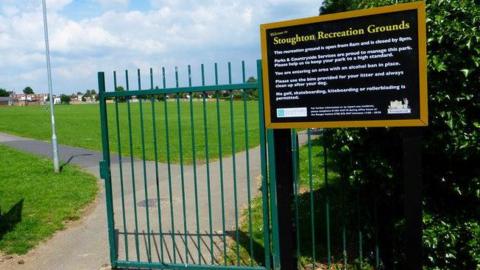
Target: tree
92 94
120 89
28 91
251 80
450 144
4 93
253 93
65 99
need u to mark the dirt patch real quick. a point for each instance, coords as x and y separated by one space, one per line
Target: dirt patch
9 260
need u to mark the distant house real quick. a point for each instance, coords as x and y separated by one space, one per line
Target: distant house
30 99
6 101
75 99
88 99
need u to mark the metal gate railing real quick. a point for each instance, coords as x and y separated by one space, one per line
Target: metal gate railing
186 182
187 160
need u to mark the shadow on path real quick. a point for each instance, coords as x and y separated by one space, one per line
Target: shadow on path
71 158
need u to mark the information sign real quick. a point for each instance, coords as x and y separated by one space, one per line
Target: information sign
363 68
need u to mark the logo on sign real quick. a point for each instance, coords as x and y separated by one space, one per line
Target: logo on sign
399 107
292 112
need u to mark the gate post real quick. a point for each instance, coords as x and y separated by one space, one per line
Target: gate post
283 158
105 168
281 187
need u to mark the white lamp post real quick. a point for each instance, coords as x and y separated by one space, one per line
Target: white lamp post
56 165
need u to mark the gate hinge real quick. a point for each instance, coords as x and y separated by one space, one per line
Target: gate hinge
104 170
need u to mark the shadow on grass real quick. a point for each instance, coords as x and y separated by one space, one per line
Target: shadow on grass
10 218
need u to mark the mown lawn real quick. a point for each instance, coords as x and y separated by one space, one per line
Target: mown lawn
79 125
35 202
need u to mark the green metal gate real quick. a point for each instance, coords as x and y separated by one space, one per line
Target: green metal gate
187 186
183 166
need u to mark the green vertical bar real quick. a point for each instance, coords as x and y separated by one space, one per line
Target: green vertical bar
167 139
192 130
377 248
132 164
208 166
142 135
182 176
235 199
219 130
360 240
263 162
273 200
344 230
216 73
157 178
359 222
120 165
327 199
312 205
360 248
296 186
247 162
229 73
107 176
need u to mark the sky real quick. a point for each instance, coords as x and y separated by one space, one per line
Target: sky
87 36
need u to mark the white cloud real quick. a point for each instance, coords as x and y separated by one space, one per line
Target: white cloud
57 4
171 33
113 3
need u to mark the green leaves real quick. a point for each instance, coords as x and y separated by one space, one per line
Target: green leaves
4 93
451 142
465 72
437 63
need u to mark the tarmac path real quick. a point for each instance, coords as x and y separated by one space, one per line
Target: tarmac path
84 244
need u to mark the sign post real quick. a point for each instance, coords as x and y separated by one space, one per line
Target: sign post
285 198
364 68
412 178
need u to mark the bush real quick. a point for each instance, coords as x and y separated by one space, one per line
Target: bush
4 93
65 99
451 148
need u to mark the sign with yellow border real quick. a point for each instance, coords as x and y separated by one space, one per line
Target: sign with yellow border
364 68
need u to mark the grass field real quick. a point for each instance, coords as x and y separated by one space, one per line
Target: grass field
35 202
79 125
318 192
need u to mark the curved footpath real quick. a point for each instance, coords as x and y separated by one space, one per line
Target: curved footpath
84 244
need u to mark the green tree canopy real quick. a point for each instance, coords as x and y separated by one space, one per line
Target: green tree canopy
90 93
451 148
28 91
65 99
4 93
251 80
120 89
